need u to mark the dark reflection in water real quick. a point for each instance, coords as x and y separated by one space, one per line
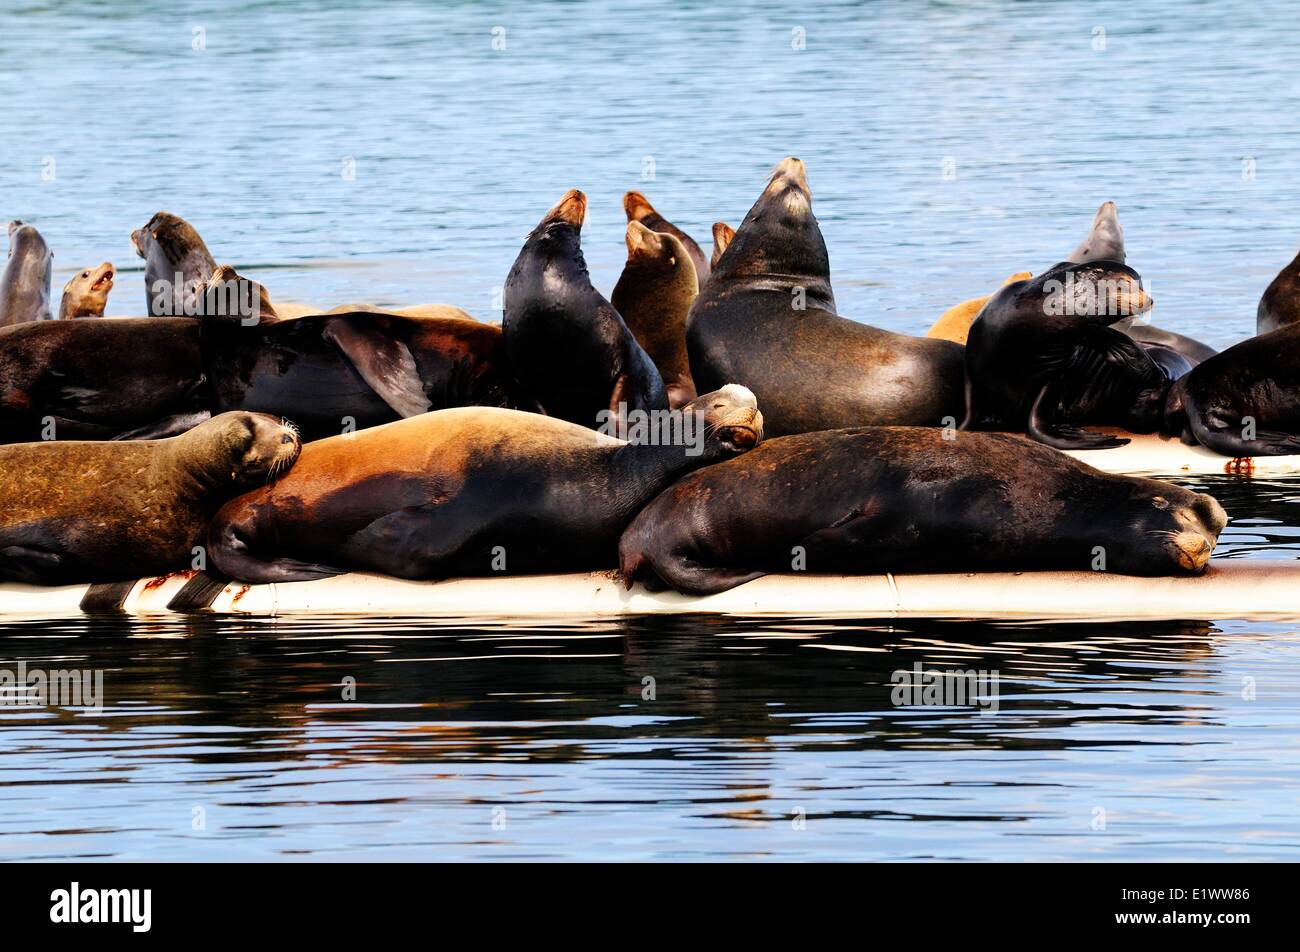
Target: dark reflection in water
755 738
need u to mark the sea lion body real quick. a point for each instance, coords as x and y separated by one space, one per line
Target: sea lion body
1244 401
332 373
25 283
1041 356
86 294
906 499
1279 306
568 346
176 263
100 379
96 512
766 319
466 491
653 296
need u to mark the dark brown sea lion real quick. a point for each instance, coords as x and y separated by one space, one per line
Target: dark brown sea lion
653 295
176 263
1280 304
722 236
86 295
568 346
1244 401
1041 358
332 373
905 499
100 380
97 512
468 491
25 283
766 319
638 208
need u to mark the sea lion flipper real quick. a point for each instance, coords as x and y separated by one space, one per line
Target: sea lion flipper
384 363
1042 427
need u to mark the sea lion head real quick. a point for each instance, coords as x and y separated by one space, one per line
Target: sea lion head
637 207
732 421
722 236
1109 290
657 251
1167 530
170 246
226 294
559 232
780 235
247 449
1105 242
86 295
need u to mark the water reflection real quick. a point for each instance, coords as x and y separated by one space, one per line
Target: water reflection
747 728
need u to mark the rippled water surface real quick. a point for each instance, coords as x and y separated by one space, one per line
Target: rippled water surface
948 144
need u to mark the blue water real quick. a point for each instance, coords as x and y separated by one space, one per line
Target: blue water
948 145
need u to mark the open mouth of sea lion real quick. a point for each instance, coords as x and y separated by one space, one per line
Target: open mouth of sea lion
105 280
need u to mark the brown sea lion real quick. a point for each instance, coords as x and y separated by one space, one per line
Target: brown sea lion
1279 306
722 235
907 499
96 512
653 295
766 319
469 491
638 208
25 283
86 294
954 323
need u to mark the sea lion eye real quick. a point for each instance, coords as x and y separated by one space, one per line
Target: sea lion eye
1160 502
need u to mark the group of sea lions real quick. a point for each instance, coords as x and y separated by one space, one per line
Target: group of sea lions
712 421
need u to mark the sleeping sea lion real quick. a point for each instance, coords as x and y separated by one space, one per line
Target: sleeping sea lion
96 512
468 491
905 499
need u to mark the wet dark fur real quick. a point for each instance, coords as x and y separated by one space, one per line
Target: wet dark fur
98 379
1279 306
810 369
894 499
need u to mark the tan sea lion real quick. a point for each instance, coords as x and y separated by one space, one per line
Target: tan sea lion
638 208
954 324
653 295
86 294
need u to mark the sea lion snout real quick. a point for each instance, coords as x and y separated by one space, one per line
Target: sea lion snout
263 446
572 208
1192 550
641 240
790 171
732 413
1199 520
636 206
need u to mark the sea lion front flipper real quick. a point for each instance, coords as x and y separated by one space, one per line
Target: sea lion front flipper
167 426
384 363
1059 435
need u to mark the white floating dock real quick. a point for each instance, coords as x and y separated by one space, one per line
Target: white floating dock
1228 589
1154 455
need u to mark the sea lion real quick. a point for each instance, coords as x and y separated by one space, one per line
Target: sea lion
638 208
86 294
25 284
905 499
766 319
568 346
954 323
467 491
1105 242
653 295
722 235
176 263
1279 305
1244 401
100 380
1041 357
330 373
95 512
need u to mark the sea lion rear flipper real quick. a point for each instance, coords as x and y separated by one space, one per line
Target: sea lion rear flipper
691 578
1228 438
1063 436
31 564
384 363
